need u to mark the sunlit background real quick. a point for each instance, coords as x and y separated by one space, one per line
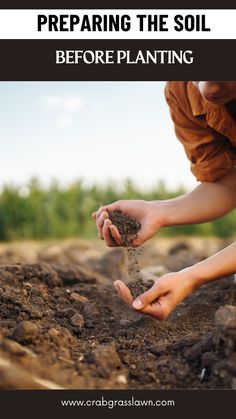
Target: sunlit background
94 131
67 148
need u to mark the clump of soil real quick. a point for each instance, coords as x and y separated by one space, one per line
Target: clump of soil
128 229
139 287
127 226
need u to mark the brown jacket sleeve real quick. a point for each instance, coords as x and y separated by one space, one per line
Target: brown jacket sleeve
211 154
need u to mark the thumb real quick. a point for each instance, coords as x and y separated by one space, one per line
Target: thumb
147 297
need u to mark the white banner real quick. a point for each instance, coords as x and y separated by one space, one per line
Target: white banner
117 24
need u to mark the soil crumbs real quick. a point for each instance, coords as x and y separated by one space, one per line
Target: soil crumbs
62 328
128 229
139 287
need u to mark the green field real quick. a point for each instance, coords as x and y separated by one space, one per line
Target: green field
37 212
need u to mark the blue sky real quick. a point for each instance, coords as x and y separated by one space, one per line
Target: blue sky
95 131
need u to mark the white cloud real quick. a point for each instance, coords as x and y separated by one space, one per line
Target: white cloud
66 107
65 103
52 101
65 121
73 104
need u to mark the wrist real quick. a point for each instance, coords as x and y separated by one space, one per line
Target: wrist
198 275
163 213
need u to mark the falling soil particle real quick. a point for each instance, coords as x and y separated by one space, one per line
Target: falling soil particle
128 229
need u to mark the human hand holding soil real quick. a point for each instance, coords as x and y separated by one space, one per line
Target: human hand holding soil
168 291
207 202
145 213
162 298
139 220
127 218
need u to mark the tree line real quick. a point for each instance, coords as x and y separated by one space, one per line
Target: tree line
38 212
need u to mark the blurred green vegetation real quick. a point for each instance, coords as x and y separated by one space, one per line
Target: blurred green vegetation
36 212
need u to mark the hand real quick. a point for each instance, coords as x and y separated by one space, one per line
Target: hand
147 213
162 298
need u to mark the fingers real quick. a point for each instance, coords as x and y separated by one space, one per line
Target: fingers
104 226
138 241
106 230
110 207
100 223
106 234
159 310
157 302
147 297
115 234
99 213
124 292
96 214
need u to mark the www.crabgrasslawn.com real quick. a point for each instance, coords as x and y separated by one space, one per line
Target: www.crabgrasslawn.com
110 403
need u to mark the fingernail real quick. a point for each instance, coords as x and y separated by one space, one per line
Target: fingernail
117 289
138 304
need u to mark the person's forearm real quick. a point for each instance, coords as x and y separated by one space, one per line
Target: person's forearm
205 203
217 266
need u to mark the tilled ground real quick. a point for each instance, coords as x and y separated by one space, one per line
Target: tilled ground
63 326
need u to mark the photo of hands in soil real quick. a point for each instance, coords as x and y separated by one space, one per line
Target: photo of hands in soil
116 306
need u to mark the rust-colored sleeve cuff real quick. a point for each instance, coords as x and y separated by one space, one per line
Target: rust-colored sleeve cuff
211 154
213 169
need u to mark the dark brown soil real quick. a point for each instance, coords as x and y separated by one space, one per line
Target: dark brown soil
127 227
139 287
62 325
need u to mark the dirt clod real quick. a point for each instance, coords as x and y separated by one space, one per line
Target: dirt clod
77 320
225 317
105 358
26 332
75 296
91 311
